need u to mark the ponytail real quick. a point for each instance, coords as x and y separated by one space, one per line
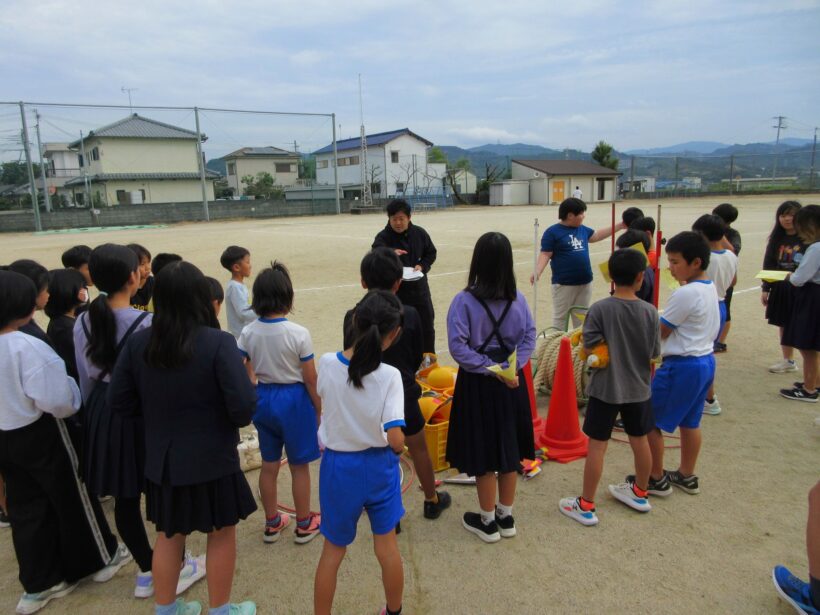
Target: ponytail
110 266
377 315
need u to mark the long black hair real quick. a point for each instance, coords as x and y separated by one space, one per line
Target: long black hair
182 304
111 267
379 313
778 232
491 271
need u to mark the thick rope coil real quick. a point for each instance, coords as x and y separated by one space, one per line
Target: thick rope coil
546 353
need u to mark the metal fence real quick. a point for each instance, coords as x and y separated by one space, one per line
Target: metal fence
65 171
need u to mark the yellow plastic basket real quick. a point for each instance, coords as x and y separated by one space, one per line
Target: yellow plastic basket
436 436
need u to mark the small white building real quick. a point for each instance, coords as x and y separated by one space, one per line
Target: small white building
637 184
281 164
465 181
552 181
510 192
396 165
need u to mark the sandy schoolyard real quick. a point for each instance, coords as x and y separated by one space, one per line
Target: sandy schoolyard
710 553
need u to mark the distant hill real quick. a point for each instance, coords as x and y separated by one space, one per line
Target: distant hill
697 147
217 164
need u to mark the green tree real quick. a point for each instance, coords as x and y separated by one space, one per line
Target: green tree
436 154
463 164
16 173
263 186
222 190
307 168
602 154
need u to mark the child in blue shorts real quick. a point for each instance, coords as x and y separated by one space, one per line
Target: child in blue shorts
689 326
280 360
361 429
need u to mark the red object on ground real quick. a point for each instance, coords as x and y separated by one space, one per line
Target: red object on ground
562 434
537 421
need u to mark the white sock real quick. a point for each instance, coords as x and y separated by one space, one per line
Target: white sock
487 516
503 511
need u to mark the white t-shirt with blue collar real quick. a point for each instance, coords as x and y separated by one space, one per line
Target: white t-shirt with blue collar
358 419
693 314
276 347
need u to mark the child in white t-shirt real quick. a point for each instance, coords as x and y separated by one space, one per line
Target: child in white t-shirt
280 360
237 260
361 430
689 326
722 271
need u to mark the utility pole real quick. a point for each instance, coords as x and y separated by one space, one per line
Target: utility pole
42 166
813 151
201 164
731 171
336 162
781 125
86 185
38 226
367 196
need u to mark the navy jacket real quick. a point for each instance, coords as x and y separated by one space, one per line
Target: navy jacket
420 251
192 414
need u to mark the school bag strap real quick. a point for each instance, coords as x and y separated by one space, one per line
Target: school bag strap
496 332
121 344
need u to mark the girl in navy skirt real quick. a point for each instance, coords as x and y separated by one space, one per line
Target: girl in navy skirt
490 425
803 329
112 450
784 251
185 379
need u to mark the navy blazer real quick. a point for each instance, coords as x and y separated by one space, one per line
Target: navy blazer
192 413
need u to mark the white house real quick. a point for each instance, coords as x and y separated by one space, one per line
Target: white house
551 181
139 160
61 164
396 164
282 165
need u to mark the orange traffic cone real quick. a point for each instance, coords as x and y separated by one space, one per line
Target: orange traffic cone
562 433
537 421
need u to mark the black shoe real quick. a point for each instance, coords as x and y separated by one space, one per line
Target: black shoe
506 525
4 519
433 510
799 394
619 424
661 487
719 347
689 484
488 532
398 528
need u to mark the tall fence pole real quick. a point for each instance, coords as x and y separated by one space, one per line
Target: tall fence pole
335 164
535 274
201 165
813 151
42 166
38 226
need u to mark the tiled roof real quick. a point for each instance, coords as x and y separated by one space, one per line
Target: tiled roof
260 151
566 167
378 138
137 127
102 177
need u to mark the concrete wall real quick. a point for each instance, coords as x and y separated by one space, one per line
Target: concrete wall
165 213
538 191
142 156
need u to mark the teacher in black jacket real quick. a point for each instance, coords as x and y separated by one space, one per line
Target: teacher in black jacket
416 250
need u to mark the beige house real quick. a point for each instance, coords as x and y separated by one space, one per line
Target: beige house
552 181
138 160
282 165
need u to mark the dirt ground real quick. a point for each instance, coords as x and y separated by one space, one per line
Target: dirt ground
710 553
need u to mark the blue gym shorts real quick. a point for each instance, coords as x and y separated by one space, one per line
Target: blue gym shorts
679 391
352 481
285 417
724 311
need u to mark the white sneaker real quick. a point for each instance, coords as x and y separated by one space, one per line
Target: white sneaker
192 571
625 494
31 603
783 366
572 509
121 557
713 408
145 585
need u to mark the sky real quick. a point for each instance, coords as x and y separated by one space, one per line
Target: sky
636 74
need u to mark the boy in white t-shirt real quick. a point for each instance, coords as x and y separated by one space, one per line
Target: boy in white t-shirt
689 325
238 308
722 271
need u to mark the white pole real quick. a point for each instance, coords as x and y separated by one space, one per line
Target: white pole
32 186
535 251
200 165
335 164
42 166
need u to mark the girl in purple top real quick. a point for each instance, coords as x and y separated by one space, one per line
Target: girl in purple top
490 425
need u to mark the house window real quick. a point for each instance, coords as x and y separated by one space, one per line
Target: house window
122 197
399 186
79 198
95 154
376 188
231 168
321 164
353 160
394 157
284 167
342 162
80 158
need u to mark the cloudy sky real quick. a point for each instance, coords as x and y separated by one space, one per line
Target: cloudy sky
559 74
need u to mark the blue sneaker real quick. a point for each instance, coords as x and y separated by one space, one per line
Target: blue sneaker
793 590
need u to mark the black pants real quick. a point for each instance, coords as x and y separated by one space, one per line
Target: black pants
59 531
423 303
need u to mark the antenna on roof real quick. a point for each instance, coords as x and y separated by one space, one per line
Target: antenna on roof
367 196
125 90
